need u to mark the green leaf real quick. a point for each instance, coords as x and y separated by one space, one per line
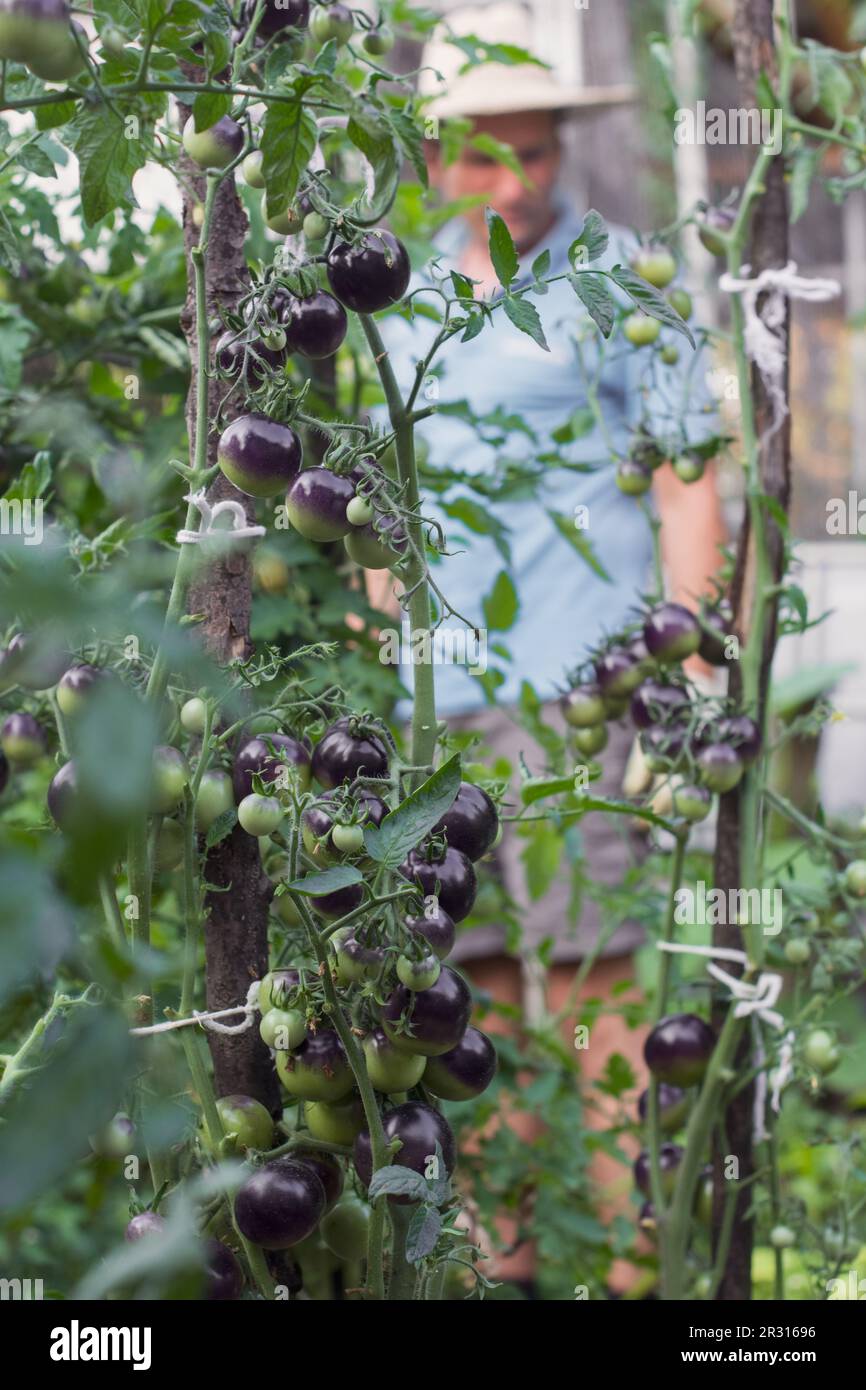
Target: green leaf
404 828
581 543
501 604
370 131
524 316
210 107
463 287
80 1090
164 345
592 241
793 694
580 423
221 828
481 521
541 265
9 256
424 1231
399 1181
503 252
33 480
411 143
108 160
288 142
36 928
15 333
35 157
646 297
593 293
803 169
58 113
537 788
541 859
328 881
502 153
326 58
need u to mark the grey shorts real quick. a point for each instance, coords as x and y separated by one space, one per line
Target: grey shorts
608 846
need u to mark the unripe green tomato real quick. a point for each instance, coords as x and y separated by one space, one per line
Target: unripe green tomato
349 839
418 975
359 511
215 797
251 168
216 147
379 41
114 1140
315 226
169 847
681 300
782 1237
798 950
332 22
283 1029
855 878
658 267
287 911
344 1228
670 355
633 478
691 803
285 223
820 1051
193 716
390 1070
334 1123
248 1119
170 778
314 1083
704 1204
275 990
260 815
592 740
703 1286
62 60
113 40
640 329
689 468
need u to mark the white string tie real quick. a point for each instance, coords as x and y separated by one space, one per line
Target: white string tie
209 1020
764 333
239 529
755 1000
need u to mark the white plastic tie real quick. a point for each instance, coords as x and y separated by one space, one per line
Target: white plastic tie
755 1000
764 332
239 529
209 1020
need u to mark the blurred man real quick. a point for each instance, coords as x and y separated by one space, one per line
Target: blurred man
565 605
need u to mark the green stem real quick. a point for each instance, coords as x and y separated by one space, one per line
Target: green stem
113 919
401 1288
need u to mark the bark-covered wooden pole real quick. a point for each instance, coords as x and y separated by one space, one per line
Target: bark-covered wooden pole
236 930
754 51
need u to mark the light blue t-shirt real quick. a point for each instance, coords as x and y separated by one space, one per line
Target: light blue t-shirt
564 605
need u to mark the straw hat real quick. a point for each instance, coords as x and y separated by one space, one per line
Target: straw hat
496 89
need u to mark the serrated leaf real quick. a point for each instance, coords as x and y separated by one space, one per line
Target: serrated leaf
404 828
221 828
502 153
503 252
9 251
164 345
411 143
326 58
58 113
541 265
592 241
596 298
524 316
463 287
581 543
647 297
370 131
399 1182
328 881
501 605
108 161
34 157
288 141
424 1231
210 107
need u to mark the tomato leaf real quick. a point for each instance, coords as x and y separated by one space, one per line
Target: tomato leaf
108 160
502 153
424 1231
210 107
501 604
371 133
524 316
221 828
403 829
411 142
328 881
503 252
288 140
399 1182
592 241
596 298
646 297
581 542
